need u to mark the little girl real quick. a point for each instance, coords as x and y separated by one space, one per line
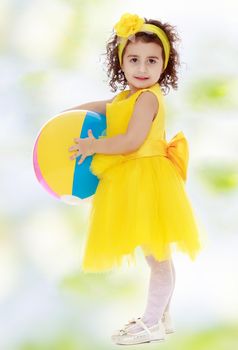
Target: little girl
140 199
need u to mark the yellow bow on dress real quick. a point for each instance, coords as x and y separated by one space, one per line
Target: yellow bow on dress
176 150
178 153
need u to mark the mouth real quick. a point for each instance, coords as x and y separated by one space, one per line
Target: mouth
141 78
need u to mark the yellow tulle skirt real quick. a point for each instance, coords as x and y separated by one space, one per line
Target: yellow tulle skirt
141 202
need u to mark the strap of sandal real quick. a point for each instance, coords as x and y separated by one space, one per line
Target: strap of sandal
143 325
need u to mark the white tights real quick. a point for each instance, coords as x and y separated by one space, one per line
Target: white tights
161 287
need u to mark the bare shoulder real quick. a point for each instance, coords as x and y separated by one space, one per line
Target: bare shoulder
147 101
147 96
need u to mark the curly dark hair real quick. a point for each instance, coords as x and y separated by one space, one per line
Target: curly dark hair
169 75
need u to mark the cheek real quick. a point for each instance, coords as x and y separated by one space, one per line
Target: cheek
128 69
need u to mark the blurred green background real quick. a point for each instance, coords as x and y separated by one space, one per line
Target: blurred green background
52 59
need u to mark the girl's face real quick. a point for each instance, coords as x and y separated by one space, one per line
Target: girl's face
142 60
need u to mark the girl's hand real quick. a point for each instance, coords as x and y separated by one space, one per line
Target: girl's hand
83 146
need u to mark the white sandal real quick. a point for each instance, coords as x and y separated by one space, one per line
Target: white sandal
151 334
166 320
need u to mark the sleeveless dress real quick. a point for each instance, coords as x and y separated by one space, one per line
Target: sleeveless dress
140 200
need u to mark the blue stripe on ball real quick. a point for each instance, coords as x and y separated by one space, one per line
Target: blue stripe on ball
84 181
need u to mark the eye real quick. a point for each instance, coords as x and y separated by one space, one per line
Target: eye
134 58
152 60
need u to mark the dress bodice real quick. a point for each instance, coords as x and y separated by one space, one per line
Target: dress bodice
119 112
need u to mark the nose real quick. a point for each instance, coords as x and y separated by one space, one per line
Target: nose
142 67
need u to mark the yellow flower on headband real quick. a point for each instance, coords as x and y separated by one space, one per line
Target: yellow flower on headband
128 25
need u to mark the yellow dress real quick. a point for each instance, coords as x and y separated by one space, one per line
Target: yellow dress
140 199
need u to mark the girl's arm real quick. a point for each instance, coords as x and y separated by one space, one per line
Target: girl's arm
146 108
97 106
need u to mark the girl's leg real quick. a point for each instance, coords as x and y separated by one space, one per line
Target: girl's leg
174 279
160 289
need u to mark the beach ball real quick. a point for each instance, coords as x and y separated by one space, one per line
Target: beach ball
60 176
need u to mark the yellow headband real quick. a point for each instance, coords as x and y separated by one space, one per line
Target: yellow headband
129 25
